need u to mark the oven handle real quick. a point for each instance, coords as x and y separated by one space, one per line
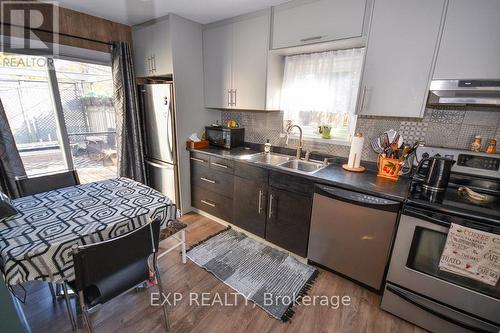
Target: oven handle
421 215
407 296
430 216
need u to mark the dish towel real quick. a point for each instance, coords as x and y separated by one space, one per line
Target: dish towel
472 253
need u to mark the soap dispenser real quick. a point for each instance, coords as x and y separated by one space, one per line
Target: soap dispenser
267 146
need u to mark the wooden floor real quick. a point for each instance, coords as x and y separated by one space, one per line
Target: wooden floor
133 313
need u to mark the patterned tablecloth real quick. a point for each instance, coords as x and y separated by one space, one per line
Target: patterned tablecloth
36 243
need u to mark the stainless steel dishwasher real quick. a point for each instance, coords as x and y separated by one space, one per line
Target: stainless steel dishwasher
351 233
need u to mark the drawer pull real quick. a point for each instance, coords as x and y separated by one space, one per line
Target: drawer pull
220 165
207 180
197 159
311 38
208 203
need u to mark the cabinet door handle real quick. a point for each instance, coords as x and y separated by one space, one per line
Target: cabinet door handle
362 101
308 39
260 201
149 64
197 159
234 101
207 180
271 199
220 165
208 203
229 97
154 63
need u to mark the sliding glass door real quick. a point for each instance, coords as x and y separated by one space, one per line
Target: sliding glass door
61 114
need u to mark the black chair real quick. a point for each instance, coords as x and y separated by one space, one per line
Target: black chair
111 268
38 184
6 207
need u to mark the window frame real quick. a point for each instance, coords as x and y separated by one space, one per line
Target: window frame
307 136
90 57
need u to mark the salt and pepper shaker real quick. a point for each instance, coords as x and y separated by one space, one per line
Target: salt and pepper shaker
476 144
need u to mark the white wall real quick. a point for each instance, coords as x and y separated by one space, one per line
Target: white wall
191 116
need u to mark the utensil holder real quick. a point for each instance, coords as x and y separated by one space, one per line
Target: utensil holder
388 167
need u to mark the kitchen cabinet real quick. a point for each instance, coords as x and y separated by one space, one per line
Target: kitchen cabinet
270 204
212 189
235 63
288 220
305 22
152 49
217 60
250 205
470 47
400 57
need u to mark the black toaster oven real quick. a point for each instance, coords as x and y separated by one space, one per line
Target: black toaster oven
225 137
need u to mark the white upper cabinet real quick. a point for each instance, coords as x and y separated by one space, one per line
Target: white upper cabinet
251 44
400 56
217 60
142 51
152 49
235 63
470 45
305 22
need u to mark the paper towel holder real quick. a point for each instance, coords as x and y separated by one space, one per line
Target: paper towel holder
351 167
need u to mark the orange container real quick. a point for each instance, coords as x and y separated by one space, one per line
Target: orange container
388 167
197 145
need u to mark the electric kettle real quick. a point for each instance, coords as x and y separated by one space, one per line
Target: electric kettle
434 172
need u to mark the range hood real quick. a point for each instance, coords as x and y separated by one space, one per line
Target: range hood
463 92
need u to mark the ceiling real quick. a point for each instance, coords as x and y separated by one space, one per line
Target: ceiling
132 12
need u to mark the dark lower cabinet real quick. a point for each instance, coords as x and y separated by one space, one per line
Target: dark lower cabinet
249 205
288 220
270 204
212 203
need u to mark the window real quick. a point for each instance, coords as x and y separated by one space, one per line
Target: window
320 89
87 116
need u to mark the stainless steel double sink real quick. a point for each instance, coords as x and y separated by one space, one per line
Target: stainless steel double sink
285 162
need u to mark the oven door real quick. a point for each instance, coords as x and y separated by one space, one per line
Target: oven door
415 258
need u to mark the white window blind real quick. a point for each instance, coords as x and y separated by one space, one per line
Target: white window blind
321 89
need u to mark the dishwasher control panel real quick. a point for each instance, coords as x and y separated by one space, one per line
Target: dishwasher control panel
357 198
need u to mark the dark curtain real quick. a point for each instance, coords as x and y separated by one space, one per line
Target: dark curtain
129 127
11 165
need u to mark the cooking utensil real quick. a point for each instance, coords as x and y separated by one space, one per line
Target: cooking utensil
467 192
376 145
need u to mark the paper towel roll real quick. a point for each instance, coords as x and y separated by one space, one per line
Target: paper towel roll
356 149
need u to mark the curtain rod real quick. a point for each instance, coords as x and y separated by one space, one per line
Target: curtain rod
60 34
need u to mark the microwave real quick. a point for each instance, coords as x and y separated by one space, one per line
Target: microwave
225 137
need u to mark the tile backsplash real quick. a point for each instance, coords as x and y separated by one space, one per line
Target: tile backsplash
452 127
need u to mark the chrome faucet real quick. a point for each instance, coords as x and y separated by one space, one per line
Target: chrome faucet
299 146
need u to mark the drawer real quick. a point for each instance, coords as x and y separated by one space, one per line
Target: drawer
291 183
211 180
199 159
221 164
251 172
212 203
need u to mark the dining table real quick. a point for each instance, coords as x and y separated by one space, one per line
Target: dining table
36 243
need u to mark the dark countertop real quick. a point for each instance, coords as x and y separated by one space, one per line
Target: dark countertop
365 182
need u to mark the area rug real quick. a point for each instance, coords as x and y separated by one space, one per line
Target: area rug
272 279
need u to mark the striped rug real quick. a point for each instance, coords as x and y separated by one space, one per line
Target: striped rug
272 279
